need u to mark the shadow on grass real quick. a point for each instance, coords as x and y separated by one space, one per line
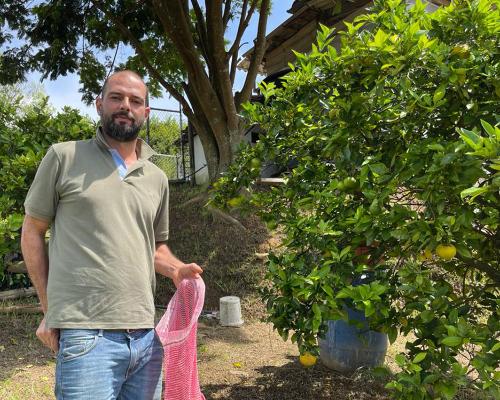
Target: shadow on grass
19 346
291 381
210 331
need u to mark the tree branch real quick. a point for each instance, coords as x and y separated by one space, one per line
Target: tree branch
244 21
201 28
233 51
257 55
222 81
491 271
136 44
175 24
227 13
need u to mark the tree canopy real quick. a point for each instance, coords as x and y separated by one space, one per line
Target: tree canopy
178 44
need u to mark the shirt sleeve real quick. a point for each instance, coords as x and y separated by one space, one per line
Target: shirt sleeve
161 220
42 199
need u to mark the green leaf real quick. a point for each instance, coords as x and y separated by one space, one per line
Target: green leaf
447 389
452 341
427 316
345 251
392 334
463 250
488 128
473 192
419 357
316 310
436 146
328 290
439 94
429 379
471 138
495 347
345 293
378 168
400 360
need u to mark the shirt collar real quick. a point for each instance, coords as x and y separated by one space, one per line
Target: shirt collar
143 150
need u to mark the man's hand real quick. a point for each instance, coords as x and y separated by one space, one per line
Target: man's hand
186 271
169 265
48 336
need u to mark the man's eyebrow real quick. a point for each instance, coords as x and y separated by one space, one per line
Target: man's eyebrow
133 96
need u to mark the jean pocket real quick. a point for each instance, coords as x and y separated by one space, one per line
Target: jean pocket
71 347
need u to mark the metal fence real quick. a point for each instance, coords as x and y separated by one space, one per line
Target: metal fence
164 133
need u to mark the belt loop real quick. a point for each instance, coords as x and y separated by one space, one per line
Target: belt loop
101 332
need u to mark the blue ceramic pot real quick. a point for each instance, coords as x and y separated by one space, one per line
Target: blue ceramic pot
347 348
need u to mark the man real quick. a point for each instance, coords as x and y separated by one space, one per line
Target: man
107 207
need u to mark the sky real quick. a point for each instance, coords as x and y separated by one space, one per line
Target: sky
64 91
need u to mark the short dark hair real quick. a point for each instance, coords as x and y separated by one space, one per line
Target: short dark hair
128 71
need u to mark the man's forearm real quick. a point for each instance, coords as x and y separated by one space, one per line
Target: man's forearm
165 262
170 266
37 262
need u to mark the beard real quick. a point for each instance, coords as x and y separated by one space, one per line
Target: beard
120 132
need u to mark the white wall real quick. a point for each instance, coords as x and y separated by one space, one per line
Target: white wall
201 177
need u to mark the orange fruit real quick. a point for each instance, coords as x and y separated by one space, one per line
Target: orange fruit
446 251
425 255
307 360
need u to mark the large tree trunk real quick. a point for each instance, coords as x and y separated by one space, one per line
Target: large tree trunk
218 162
213 109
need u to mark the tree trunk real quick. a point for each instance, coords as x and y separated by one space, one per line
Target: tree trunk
212 109
218 157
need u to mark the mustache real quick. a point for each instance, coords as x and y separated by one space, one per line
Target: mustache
123 114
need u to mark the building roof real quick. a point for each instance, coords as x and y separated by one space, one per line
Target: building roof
305 12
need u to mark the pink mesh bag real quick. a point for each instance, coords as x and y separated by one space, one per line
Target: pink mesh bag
177 331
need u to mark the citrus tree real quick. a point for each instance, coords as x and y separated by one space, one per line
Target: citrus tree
28 126
396 142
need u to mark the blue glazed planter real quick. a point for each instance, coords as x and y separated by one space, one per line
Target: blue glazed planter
346 347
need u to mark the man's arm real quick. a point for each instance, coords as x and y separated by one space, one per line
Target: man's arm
37 262
170 266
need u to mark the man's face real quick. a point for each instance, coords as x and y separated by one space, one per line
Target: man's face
123 107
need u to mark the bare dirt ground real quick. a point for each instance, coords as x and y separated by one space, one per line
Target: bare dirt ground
253 362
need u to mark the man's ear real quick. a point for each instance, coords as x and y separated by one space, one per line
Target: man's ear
98 105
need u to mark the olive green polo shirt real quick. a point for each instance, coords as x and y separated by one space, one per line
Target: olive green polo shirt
103 234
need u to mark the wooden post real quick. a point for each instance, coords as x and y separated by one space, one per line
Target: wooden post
17 293
21 309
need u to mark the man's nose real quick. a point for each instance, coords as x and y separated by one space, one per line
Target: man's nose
125 104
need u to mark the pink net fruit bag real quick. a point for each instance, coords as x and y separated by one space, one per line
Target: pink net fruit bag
177 332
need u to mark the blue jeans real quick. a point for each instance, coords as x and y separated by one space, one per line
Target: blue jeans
101 364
